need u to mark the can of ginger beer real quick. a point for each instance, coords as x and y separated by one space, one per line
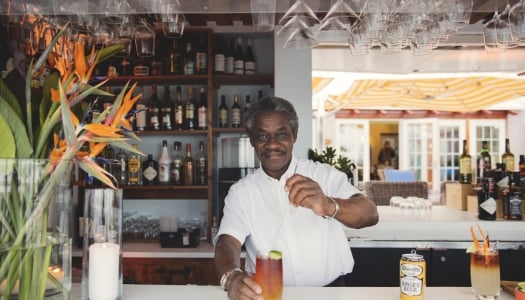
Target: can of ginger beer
412 279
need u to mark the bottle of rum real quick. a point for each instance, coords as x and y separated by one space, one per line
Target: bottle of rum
150 174
176 164
134 168
188 167
175 59
223 113
142 108
189 60
189 111
201 56
121 168
154 109
508 157
179 109
201 165
465 165
249 59
166 109
202 111
238 58
484 161
236 112
164 164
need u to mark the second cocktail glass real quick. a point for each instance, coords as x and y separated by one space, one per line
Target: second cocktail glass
485 274
269 274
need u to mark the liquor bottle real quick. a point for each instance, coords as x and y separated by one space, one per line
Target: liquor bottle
236 112
521 173
214 228
229 59
201 56
121 168
141 108
150 174
176 164
223 113
166 109
188 167
249 59
164 164
465 165
175 59
247 105
179 109
201 165
189 111
202 111
219 58
125 66
189 60
259 94
109 156
513 199
484 163
238 58
487 200
154 109
508 157
134 168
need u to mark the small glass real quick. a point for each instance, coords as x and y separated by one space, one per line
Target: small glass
485 274
269 275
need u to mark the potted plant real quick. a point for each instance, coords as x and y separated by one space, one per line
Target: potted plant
329 156
33 165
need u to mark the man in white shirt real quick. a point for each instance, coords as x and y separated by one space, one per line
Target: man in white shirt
295 206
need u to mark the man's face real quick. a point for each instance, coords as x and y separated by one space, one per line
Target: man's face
273 141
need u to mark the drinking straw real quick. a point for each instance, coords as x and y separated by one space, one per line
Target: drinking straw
281 218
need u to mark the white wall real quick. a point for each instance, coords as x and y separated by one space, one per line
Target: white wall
293 81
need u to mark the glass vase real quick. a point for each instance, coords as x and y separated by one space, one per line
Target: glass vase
102 249
35 245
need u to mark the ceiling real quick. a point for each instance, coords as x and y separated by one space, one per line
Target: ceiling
377 80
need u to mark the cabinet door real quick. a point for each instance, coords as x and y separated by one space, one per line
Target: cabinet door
448 267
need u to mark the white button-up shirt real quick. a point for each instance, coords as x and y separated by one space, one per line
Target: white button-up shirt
315 250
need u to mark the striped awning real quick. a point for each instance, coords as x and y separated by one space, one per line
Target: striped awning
463 94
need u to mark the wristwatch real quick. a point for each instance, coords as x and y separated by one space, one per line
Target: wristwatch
226 276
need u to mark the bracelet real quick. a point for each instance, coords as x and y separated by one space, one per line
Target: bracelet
226 276
335 211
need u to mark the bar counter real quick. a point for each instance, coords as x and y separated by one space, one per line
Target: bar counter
161 292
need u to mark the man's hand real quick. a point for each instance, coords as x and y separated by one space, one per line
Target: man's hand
307 193
241 286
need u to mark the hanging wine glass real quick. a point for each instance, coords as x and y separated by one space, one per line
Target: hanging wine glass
516 21
337 23
263 14
490 35
300 9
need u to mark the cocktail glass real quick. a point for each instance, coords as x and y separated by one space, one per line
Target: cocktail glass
269 274
485 274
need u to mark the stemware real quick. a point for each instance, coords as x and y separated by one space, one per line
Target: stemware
263 14
172 19
144 39
490 35
516 20
300 9
337 23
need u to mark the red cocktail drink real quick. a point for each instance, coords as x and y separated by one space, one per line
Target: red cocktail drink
269 275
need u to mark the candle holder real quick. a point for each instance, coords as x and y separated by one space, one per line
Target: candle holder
102 250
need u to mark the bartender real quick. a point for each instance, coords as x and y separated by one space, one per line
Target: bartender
292 205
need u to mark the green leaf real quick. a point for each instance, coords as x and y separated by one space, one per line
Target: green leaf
8 150
18 129
10 98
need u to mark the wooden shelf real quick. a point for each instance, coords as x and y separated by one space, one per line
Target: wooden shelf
171 132
218 130
257 79
159 79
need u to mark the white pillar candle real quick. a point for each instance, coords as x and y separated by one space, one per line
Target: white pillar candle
103 271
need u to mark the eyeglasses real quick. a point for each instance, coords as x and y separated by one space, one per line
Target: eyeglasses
280 136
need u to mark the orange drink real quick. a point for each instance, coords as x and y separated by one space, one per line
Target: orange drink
485 274
269 274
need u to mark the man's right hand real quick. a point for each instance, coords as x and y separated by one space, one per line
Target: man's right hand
241 286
